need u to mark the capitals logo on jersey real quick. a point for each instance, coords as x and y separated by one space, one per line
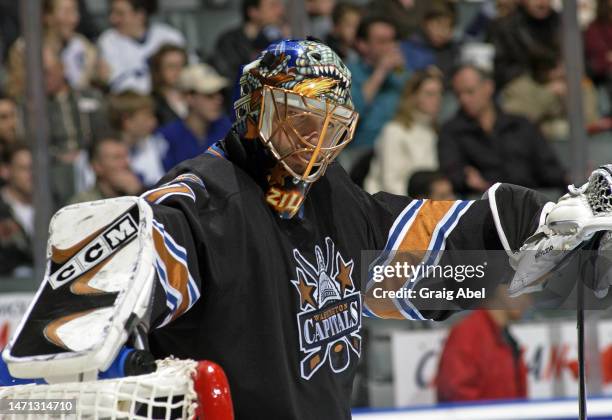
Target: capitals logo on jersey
330 317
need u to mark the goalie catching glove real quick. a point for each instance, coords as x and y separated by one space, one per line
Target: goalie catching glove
568 226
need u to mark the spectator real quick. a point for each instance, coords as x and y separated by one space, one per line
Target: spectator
598 46
481 359
8 123
109 159
406 14
341 39
378 78
587 10
4 171
9 26
482 145
133 116
133 39
78 55
434 43
408 143
87 24
74 116
541 97
205 123
320 16
16 211
432 185
262 23
532 31
166 66
491 10
8 133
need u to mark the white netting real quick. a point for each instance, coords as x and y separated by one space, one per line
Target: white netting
167 393
599 192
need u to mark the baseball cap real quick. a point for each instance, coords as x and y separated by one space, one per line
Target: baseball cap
201 78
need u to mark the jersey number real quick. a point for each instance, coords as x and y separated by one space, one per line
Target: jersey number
284 201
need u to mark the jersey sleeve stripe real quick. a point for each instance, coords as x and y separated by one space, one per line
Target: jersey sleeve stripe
424 236
407 310
448 224
172 296
402 223
398 230
367 312
181 254
443 228
495 211
158 195
420 234
215 150
173 272
188 177
437 243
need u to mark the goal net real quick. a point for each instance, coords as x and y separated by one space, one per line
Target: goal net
174 391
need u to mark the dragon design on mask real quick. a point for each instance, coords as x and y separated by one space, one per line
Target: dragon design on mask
315 72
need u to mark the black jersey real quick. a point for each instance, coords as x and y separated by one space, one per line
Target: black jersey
277 303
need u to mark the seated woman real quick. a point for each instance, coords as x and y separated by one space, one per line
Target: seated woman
78 55
166 66
408 142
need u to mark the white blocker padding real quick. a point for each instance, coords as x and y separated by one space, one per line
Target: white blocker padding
97 287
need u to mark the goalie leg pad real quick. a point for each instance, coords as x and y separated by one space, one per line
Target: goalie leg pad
97 288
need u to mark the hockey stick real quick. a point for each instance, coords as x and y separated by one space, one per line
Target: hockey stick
582 409
581 371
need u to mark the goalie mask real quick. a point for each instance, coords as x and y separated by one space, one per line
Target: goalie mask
295 100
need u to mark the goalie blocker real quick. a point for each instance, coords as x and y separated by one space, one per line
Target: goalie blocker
97 291
98 296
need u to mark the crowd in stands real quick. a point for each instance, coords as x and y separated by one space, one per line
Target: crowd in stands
447 108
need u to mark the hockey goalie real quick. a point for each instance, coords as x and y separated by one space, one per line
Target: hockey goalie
246 254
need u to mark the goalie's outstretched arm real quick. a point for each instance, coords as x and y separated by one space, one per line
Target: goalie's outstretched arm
540 239
447 233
